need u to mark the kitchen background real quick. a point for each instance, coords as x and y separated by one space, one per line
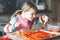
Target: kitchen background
8 7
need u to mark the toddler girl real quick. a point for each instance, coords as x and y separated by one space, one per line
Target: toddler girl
22 19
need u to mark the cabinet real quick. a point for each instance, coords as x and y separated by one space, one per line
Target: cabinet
55 7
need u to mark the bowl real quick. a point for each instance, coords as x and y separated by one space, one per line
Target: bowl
53 27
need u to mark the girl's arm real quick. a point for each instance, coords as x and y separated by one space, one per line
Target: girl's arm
10 26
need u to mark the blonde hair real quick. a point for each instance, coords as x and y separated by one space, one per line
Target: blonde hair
26 6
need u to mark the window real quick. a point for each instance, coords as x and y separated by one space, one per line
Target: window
7 6
41 4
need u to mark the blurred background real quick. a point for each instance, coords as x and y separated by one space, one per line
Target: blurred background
50 8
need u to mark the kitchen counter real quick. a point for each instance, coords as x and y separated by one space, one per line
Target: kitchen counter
55 38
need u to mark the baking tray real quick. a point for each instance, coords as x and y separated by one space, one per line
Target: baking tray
10 35
57 33
53 38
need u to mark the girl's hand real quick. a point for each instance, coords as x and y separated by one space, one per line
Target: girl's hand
17 32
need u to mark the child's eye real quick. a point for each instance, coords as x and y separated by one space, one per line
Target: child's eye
32 14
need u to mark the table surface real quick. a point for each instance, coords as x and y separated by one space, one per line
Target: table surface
55 38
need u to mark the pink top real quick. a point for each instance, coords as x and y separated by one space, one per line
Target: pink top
24 23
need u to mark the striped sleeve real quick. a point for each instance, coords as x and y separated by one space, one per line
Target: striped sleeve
10 26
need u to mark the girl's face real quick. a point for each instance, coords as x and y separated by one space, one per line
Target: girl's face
30 14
